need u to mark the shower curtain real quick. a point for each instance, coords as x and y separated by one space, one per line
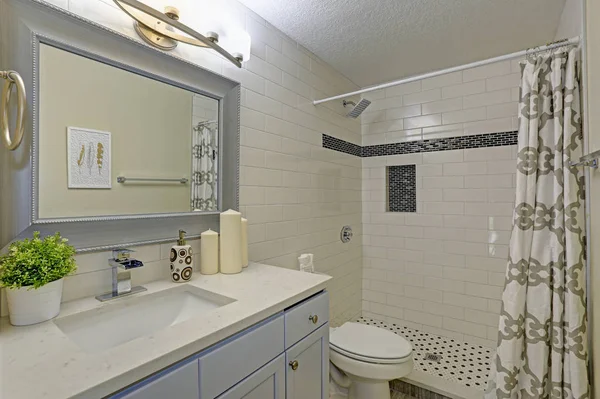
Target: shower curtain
204 173
542 337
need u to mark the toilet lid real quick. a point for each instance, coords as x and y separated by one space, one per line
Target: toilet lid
369 342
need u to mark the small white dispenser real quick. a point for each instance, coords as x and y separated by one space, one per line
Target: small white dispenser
306 263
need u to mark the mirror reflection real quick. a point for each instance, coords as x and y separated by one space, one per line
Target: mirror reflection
112 142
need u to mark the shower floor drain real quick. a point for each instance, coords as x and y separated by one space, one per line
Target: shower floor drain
432 357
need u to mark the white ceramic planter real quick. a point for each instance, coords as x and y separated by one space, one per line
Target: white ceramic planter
33 306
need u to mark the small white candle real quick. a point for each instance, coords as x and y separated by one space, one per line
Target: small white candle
244 242
209 252
231 242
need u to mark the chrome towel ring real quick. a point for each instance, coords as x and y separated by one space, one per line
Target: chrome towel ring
12 78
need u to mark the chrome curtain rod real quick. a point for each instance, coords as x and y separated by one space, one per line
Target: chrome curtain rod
518 54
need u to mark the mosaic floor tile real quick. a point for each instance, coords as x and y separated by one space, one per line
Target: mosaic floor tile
458 362
399 395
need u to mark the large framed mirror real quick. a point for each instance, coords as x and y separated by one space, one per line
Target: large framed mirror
115 143
127 144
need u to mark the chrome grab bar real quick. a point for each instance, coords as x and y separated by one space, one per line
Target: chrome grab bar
590 160
12 78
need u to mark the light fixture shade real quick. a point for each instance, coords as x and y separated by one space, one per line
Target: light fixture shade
220 17
236 41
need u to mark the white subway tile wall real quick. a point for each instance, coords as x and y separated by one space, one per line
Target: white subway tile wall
441 269
296 195
475 101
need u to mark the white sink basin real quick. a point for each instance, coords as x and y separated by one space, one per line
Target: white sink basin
126 319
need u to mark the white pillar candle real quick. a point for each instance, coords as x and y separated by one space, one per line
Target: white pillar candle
209 252
244 242
231 242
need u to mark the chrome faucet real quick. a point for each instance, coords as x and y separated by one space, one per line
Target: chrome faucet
121 264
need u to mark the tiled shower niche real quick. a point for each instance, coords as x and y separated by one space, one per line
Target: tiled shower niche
402 188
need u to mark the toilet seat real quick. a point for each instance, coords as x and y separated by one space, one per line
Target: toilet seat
368 359
370 344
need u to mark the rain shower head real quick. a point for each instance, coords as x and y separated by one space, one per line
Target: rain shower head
357 108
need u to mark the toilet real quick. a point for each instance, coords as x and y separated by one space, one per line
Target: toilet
370 357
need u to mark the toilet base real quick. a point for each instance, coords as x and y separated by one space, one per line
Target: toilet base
370 380
369 389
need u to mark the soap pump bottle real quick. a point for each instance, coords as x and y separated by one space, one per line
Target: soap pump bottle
182 263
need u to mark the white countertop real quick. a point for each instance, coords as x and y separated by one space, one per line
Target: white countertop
40 361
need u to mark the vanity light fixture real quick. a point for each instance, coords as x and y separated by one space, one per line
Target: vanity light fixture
162 30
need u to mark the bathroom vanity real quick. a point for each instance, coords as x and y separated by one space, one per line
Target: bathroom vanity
267 337
285 356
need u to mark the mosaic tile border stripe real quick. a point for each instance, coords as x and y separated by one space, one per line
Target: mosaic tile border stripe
336 144
430 145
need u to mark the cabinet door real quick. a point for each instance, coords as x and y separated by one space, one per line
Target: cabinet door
266 383
307 371
229 363
180 383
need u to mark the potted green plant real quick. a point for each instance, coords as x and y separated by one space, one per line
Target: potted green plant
32 272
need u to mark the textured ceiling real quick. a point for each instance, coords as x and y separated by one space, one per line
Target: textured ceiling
374 41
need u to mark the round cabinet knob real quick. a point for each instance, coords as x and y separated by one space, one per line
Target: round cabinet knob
294 365
314 319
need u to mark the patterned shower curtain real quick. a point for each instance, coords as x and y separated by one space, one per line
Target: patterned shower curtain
204 168
542 337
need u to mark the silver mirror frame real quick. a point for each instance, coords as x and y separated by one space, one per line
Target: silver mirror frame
46 24
38 40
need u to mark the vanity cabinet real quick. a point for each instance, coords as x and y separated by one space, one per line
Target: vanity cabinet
283 357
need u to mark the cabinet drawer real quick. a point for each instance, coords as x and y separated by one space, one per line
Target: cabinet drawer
240 356
306 317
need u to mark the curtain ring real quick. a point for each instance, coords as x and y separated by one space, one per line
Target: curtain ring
12 78
531 53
